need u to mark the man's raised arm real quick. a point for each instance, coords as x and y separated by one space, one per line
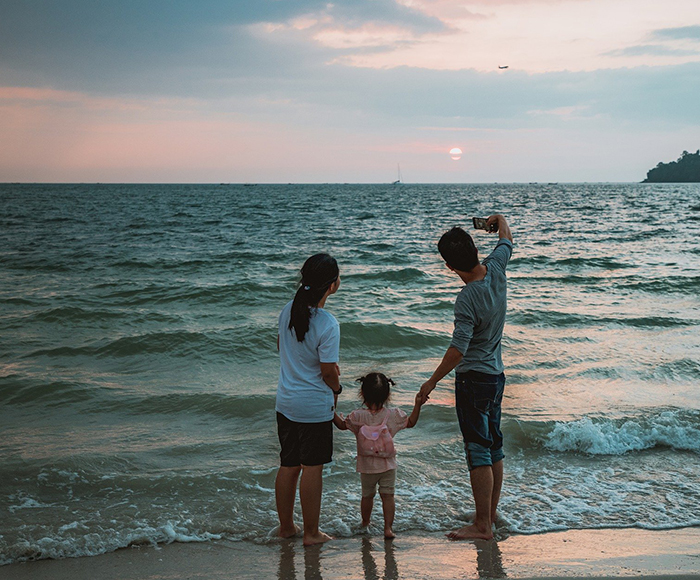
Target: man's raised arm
502 225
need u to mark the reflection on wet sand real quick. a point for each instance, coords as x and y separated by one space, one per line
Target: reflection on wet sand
480 557
286 570
489 561
567 554
369 565
312 562
289 549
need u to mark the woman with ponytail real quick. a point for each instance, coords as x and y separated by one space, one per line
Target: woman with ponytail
308 341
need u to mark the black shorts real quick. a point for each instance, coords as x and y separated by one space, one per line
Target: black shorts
304 443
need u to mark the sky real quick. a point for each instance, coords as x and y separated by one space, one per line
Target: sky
303 91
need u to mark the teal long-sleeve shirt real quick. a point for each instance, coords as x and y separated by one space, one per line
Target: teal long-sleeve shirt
480 314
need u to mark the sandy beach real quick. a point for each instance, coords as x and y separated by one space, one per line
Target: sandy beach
576 553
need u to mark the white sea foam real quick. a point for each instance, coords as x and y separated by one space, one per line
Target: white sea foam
674 429
64 544
26 503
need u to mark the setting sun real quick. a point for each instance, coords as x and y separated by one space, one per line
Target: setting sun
456 153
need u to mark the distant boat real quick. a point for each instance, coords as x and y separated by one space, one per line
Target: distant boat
398 181
502 67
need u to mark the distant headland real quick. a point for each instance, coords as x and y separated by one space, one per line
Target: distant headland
685 170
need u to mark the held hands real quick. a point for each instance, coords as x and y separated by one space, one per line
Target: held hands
425 390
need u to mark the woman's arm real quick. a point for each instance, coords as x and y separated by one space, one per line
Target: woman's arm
331 375
339 422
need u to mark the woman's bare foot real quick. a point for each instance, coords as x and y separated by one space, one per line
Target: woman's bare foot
389 534
288 532
471 532
318 538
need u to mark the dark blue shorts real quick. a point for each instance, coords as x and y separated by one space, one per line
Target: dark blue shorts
478 398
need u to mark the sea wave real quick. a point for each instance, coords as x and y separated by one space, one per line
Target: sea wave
220 405
571 263
18 390
73 313
235 293
389 275
670 429
671 284
242 341
555 318
376 336
665 285
63 545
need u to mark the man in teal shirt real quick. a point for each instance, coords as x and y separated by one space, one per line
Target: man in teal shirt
475 353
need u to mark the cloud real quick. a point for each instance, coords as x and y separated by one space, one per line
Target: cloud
42 97
357 13
565 113
179 47
353 125
652 50
359 26
678 33
322 79
532 36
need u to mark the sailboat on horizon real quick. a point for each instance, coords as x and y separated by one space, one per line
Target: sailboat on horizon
398 181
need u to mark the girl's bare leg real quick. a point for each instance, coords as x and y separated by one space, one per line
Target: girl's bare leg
366 510
389 509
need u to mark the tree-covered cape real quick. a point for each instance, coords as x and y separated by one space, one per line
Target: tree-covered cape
686 169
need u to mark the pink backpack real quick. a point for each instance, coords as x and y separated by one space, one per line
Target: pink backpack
376 440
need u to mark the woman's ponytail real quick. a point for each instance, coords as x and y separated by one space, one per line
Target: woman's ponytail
317 274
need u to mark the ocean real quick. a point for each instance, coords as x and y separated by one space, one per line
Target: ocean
138 365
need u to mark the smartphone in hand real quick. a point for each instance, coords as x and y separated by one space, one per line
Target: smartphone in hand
480 224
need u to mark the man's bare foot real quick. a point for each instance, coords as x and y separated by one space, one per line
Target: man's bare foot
364 524
319 538
389 534
288 532
471 532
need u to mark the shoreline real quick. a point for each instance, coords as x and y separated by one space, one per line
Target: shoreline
602 553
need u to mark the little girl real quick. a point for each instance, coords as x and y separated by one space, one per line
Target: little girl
375 428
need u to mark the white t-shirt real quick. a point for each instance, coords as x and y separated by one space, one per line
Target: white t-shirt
302 395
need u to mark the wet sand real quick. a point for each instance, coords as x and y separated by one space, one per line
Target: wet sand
577 553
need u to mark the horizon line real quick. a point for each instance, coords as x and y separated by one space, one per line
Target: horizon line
256 183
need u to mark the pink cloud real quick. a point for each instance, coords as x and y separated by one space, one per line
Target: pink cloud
33 96
38 94
156 140
533 36
367 35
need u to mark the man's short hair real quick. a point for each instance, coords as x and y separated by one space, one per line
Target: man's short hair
458 250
